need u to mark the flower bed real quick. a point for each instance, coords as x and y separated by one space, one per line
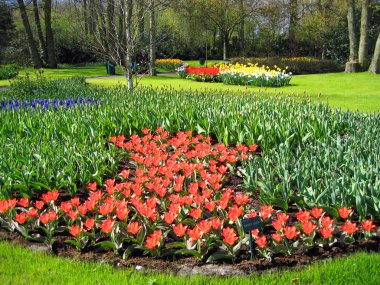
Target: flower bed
238 74
171 201
45 104
168 63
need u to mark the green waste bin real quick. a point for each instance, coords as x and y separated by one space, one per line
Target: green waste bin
110 68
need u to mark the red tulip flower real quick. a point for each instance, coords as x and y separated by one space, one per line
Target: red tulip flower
344 212
349 228
276 237
316 212
134 227
24 202
326 232
308 227
153 240
326 221
303 216
75 230
107 226
21 218
261 241
179 230
229 235
368 225
89 223
291 232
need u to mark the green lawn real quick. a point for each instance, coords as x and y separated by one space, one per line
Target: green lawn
22 266
360 91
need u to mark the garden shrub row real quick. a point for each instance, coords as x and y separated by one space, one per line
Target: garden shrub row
297 65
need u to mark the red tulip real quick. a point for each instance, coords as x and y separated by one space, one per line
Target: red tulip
261 241
179 230
326 232
24 202
21 218
326 221
368 225
107 226
349 227
308 227
134 227
229 235
75 230
291 232
278 225
234 213
89 223
344 212
153 240
303 216
194 234
276 237
316 212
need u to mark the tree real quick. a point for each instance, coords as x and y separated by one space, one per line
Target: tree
227 15
37 62
152 38
6 25
375 63
363 44
39 31
352 65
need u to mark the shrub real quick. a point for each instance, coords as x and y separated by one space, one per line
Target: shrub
9 71
297 65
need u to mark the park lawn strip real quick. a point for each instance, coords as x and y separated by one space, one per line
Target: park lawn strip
22 266
359 91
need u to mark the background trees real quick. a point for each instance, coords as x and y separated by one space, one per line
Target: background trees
70 31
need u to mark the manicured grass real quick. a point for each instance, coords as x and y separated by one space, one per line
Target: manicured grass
22 266
65 71
360 91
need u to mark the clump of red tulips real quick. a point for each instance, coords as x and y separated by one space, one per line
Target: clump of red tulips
172 202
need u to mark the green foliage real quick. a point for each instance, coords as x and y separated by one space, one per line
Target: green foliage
296 65
311 153
9 71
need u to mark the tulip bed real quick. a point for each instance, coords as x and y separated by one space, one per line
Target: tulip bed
171 201
238 74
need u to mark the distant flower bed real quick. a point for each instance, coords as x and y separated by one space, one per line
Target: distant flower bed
46 103
168 63
238 74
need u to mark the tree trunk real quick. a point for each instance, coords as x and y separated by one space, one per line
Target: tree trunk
111 23
141 22
375 63
37 62
122 24
352 65
363 44
52 61
225 47
152 39
92 16
39 31
293 5
85 16
129 46
242 27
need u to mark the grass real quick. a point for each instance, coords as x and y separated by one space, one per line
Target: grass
360 91
22 266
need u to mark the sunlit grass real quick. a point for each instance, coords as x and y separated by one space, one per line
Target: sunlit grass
22 266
